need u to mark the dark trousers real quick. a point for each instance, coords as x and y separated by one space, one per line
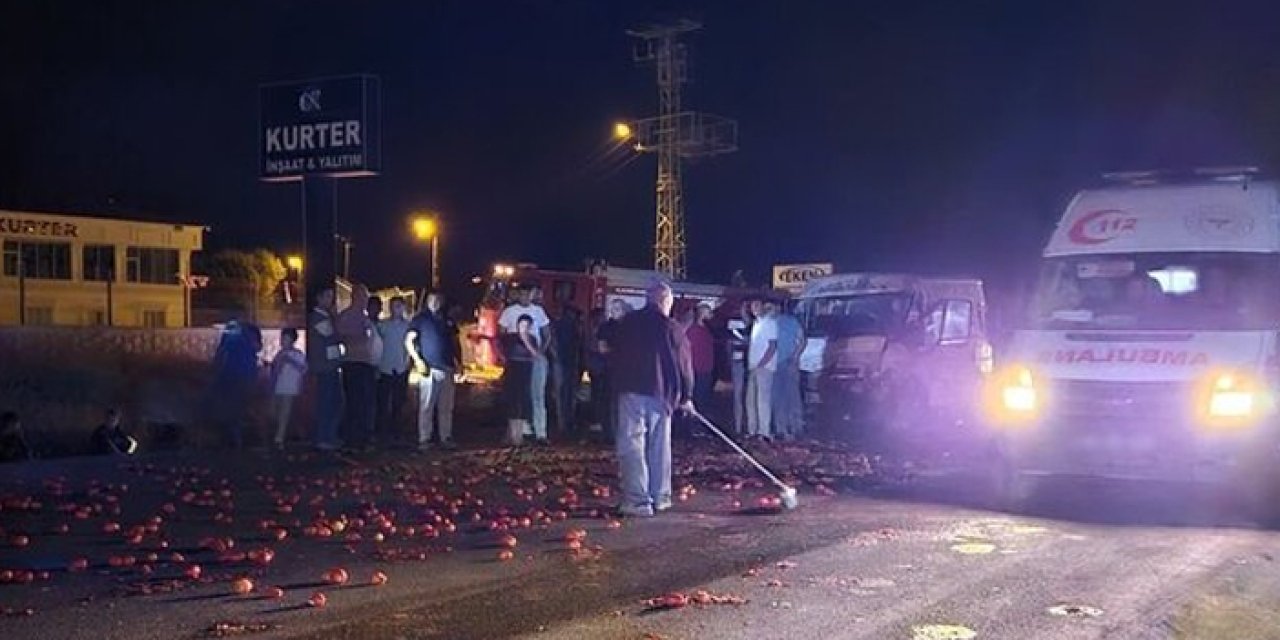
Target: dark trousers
393 392
565 380
328 407
686 427
231 397
361 381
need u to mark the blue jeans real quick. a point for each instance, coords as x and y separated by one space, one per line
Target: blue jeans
328 404
644 450
538 387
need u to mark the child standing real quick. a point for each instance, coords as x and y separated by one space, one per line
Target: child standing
287 370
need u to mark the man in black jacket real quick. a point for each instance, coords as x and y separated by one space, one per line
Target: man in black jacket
652 372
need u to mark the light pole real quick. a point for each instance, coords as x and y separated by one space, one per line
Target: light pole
426 228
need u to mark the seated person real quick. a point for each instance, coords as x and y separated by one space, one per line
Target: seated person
13 442
110 438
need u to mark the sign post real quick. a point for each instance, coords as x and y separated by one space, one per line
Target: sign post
315 132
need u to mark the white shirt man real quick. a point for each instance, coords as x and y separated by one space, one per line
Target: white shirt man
762 364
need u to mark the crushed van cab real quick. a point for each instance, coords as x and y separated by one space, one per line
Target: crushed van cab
893 351
1150 350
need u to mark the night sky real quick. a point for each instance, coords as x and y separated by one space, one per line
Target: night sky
890 135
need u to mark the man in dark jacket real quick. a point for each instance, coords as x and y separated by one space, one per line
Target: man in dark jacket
324 363
652 373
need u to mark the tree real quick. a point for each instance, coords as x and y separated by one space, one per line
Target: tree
257 274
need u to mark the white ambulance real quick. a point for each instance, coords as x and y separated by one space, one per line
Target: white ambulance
1150 350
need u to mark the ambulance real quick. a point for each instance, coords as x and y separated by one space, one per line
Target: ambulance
1150 349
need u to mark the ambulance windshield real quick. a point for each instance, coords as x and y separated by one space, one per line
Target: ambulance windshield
1180 291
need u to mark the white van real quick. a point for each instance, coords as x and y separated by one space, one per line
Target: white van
1150 348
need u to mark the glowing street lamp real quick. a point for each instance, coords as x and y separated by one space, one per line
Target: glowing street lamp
622 131
426 228
294 263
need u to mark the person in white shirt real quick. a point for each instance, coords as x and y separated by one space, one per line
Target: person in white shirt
287 370
762 364
393 368
509 321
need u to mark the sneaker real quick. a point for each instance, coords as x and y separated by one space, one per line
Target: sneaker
663 505
424 447
542 442
449 445
636 512
325 446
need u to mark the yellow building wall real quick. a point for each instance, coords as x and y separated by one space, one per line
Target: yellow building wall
79 302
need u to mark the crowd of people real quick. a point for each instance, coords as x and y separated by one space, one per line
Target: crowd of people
762 347
359 364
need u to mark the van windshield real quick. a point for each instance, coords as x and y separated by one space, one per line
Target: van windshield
854 314
1205 291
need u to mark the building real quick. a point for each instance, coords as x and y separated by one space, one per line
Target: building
83 271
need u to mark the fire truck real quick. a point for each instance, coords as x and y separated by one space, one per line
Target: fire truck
594 287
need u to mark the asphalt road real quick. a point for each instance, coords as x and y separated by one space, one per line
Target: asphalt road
885 557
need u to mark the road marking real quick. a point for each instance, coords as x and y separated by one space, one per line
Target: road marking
973 548
1075 611
942 632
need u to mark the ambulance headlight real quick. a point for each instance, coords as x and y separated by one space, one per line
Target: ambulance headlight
1012 396
1232 398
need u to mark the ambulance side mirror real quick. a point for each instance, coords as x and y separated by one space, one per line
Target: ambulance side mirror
954 322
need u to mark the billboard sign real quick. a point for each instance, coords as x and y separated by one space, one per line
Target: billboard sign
792 277
322 127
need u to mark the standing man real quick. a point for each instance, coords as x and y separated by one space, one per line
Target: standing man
566 370
762 363
788 410
653 375
509 321
738 342
235 372
702 349
393 368
324 363
360 367
432 342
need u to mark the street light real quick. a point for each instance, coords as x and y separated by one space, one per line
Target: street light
426 228
622 131
294 264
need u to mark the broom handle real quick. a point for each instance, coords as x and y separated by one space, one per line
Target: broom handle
714 429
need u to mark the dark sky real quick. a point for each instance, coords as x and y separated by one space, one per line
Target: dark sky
928 135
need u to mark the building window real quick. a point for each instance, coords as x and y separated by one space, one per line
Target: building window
99 263
38 260
154 319
42 316
152 266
